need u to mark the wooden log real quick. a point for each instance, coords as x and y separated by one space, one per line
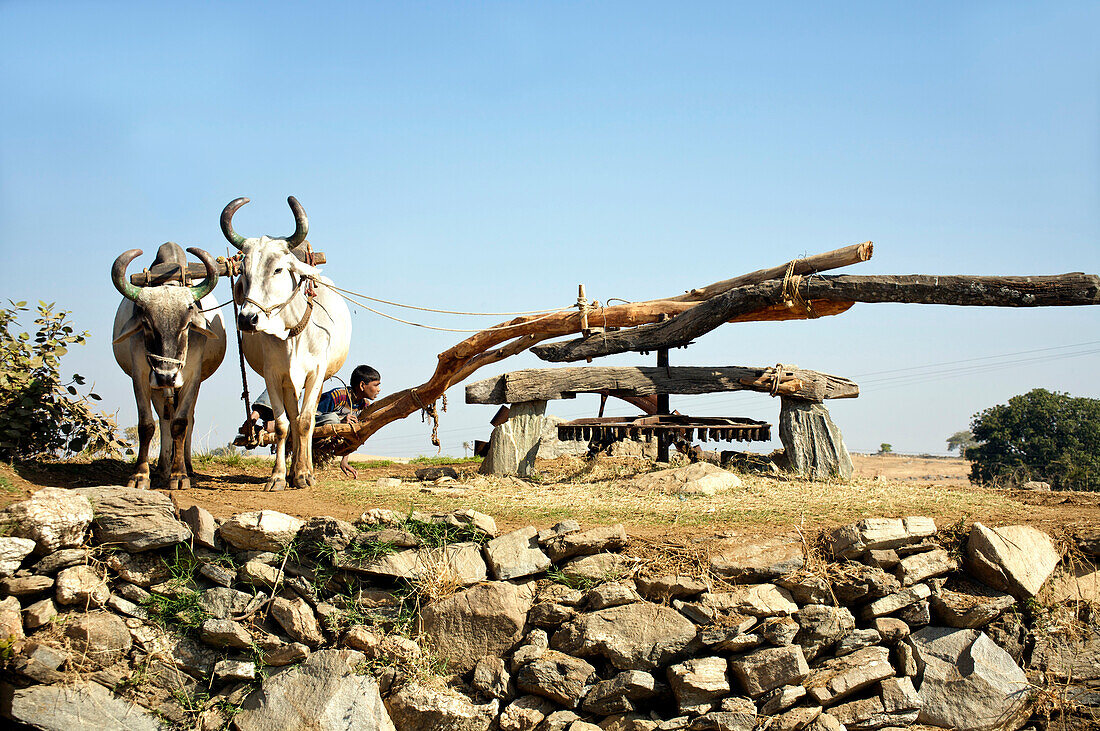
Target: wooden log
163 273
541 384
971 291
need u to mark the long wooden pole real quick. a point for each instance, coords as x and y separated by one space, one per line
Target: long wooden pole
1047 291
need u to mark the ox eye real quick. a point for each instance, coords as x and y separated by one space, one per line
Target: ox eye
279 270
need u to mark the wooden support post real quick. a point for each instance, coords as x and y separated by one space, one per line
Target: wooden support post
664 440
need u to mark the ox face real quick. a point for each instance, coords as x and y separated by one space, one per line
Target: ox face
270 277
165 316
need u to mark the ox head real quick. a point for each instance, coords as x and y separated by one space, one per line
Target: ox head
164 315
271 273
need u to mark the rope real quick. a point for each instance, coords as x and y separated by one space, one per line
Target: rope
353 300
164 358
792 298
240 353
430 309
217 307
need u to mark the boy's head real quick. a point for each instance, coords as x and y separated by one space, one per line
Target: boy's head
366 382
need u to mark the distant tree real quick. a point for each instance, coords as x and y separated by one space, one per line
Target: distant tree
885 448
960 441
1039 435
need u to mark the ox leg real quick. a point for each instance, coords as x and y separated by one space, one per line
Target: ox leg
146 427
277 481
301 474
182 412
163 403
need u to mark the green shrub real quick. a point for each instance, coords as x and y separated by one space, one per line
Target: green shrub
41 414
1040 435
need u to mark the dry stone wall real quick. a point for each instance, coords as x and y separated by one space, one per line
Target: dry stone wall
118 612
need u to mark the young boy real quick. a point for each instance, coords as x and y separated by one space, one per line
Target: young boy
344 404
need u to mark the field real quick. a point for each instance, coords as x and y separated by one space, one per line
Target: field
607 491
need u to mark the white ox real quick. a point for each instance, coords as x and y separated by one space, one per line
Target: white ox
293 340
168 346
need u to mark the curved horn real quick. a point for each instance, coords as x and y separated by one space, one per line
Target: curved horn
227 222
206 286
118 274
301 223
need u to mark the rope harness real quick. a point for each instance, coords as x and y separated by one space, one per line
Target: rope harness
792 298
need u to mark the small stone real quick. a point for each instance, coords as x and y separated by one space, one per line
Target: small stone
757 600
549 615
131 592
879 533
857 640
781 699
599 567
491 678
202 524
669 586
257 573
11 623
807 588
612 595
286 654
1035 486
297 620
838 678
906 660
525 713
229 671
894 602
225 633
127 607
81 585
557 676
770 668
619 694
12 553
796 718
219 575
100 637
63 559
136 520
25 585
921 566
758 561
779 631
263 530
388 483
223 603
884 558
822 626
698 683
141 569
890 628
516 554
39 614
595 540
917 614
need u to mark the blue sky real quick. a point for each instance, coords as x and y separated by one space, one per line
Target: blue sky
491 156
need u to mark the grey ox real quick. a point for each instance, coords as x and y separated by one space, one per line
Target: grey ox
168 346
293 336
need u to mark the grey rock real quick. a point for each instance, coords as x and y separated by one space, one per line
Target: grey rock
259 574
600 567
767 669
826 722
921 566
1035 486
25 585
39 614
894 602
697 478
618 694
137 520
967 682
100 637
839 678
12 552
595 540
52 517
53 562
285 654
431 474
516 554
891 629
525 713
486 619
796 718
1017 559
561 678
297 619
697 683
559 720
859 583
779 631
329 532
780 699
261 530
669 586
857 640
218 574
612 595
491 678
822 626
194 658
234 671
1069 656
851 540
202 525
225 633
813 445
514 444
222 602
419 707
883 558
87 706
549 615
142 569
127 607
757 600
905 660
756 562
323 693
639 636
81 586
917 614
895 705
807 588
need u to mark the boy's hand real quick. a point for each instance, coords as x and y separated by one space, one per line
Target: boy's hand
347 469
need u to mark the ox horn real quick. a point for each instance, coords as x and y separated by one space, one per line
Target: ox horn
227 222
118 274
206 286
301 224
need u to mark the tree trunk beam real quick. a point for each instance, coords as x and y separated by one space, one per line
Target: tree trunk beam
542 384
971 291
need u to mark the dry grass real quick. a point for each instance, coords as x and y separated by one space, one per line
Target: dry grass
609 493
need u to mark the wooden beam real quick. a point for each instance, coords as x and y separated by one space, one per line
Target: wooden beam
542 384
971 291
163 273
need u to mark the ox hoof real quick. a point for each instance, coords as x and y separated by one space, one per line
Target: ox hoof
138 482
275 484
302 481
179 483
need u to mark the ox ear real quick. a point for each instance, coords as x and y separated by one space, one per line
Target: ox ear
198 324
300 268
131 328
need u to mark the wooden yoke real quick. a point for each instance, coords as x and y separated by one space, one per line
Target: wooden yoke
164 273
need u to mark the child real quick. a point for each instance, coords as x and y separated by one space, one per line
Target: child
344 404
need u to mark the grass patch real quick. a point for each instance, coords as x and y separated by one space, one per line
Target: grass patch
444 460
582 583
436 535
368 464
7 485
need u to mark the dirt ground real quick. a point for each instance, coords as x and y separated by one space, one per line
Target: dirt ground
605 492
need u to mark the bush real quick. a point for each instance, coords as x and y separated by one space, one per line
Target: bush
40 415
1040 435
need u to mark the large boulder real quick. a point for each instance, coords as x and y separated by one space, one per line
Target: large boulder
851 540
419 707
324 693
53 518
638 636
968 683
136 520
516 554
260 530
773 667
514 444
764 560
554 675
1016 558
486 619
101 637
698 478
840 677
698 683
85 706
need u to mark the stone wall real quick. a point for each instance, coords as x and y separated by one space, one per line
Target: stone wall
119 612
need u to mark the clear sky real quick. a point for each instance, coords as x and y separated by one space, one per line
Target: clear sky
492 155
